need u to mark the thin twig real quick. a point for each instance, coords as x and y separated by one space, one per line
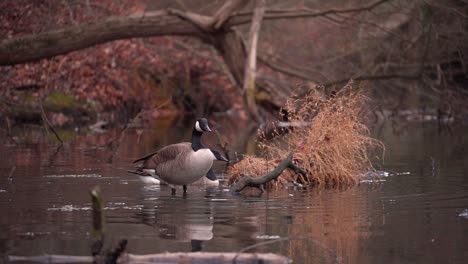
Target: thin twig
285 70
7 121
54 155
43 114
224 147
70 12
49 125
12 171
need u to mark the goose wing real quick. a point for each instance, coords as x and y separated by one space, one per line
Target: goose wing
168 154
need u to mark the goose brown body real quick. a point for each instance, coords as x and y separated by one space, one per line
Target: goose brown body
179 164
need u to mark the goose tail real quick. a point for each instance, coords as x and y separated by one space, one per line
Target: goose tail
145 157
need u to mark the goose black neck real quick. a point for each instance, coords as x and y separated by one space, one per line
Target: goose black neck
196 140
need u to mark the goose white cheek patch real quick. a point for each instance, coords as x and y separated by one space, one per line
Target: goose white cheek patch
197 127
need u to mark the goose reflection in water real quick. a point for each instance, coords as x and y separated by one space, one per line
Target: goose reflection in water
180 218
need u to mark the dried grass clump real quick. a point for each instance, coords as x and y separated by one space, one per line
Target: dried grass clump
331 142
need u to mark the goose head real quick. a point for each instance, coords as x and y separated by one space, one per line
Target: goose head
201 125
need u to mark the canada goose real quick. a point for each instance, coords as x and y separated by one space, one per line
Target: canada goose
183 163
148 176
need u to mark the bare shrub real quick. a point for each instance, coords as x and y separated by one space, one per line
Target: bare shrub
330 141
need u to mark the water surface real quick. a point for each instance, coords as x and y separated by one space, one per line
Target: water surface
420 217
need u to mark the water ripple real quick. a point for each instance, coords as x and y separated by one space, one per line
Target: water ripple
464 214
73 176
69 208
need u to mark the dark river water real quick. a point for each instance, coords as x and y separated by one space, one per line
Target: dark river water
417 216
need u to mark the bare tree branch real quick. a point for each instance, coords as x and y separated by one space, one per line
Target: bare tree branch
245 17
373 78
211 23
285 70
203 22
225 12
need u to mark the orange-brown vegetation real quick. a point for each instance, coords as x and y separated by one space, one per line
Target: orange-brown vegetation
330 141
117 80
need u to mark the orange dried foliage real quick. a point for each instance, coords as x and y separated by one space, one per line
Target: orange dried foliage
331 142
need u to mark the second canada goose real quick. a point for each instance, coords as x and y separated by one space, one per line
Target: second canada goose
183 163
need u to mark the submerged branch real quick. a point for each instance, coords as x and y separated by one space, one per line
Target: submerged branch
249 181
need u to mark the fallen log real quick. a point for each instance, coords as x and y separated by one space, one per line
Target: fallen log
259 182
167 258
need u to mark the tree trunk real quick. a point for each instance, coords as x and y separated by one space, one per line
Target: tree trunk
251 64
231 47
48 44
